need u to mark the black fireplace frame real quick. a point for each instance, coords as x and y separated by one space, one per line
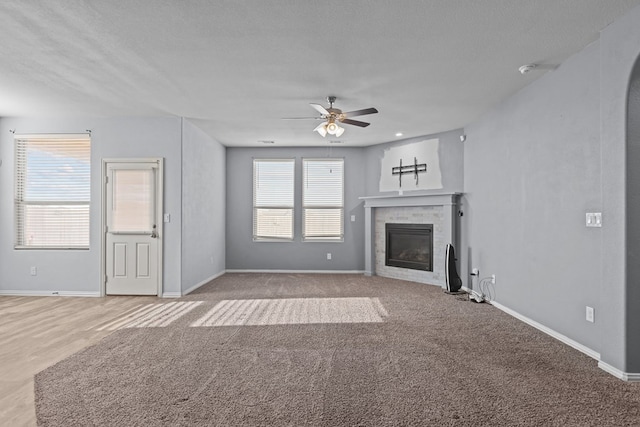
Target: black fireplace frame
407 229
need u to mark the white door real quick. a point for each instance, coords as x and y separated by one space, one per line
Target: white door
132 240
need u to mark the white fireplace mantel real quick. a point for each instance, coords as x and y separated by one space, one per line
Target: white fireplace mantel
448 201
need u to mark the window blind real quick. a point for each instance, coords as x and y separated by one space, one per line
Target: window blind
323 199
273 186
52 191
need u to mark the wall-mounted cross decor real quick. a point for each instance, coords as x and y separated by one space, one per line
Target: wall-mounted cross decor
415 168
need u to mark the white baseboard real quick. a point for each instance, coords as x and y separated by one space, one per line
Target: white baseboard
568 341
624 376
49 294
298 271
171 294
203 282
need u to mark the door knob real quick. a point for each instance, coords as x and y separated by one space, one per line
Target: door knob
153 232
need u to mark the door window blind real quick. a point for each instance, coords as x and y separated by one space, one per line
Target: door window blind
323 199
52 191
273 186
132 205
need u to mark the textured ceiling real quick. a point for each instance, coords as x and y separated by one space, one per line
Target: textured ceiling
235 68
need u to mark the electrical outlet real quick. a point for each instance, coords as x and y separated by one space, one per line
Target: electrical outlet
353 218
328 255
590 314
493 279
33 270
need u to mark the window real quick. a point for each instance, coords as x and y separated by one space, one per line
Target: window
323 199
273 199
52 191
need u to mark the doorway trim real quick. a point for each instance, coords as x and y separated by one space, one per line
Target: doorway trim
159 216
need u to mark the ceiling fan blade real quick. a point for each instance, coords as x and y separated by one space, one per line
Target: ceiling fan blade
320 109
361 112
355 123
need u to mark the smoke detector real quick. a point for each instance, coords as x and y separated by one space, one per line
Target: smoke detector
527 68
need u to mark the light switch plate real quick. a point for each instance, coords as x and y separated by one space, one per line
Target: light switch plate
594 219
167 217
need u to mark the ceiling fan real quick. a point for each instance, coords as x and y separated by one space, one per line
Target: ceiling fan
333 116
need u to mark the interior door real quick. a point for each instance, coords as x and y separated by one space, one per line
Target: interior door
132 235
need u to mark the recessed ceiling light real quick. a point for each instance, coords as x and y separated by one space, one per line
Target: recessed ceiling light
399 134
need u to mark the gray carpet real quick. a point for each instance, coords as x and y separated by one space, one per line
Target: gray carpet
426 358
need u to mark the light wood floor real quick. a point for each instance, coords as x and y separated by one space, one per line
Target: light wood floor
37 332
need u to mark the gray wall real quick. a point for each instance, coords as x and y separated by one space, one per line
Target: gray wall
618 52
620 44
203 207
633 212
245 254
532 171
78 271
565 145
619 111
450 153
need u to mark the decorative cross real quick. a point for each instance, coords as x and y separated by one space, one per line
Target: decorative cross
414 169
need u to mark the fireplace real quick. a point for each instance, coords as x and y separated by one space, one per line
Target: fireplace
409 246
440 210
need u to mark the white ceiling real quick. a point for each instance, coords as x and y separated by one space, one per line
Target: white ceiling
237 67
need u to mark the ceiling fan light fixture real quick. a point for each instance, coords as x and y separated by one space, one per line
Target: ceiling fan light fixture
322 129
340 131
332 127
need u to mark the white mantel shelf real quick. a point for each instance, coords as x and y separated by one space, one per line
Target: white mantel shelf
448 201
436 199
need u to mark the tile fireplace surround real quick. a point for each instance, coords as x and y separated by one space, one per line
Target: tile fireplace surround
437 209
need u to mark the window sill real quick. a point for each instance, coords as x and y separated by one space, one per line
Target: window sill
56 248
